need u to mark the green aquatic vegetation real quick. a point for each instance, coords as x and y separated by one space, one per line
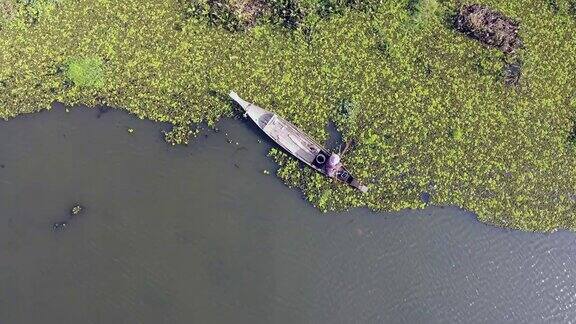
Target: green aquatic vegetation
563 7
8 11
327 8
179 134
86 72
33 10
24 12
457 134
424 11
346 120
426 106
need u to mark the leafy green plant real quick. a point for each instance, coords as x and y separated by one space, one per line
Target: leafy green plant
8 11
86 72
33 10
424 11
179 134
457 134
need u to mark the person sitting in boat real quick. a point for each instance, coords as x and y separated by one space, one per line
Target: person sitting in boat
333 165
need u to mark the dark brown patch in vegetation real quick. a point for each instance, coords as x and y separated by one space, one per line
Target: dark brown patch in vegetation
572 134
8 10
234 15
553 4
248 11
240 15
561 7
489 27
572 8
288 13
512 73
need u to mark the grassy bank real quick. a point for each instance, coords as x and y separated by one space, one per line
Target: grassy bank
427 107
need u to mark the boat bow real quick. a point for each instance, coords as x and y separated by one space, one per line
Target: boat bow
243 103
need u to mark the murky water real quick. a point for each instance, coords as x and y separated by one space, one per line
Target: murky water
199 234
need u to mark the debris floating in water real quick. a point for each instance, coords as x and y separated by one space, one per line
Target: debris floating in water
489 27
59 225
77 209
130 130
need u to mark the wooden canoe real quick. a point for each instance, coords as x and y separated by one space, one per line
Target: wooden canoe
293 140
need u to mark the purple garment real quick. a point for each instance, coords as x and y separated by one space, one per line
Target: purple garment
333 165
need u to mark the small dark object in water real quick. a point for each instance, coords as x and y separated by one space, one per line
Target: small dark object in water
512 73
229 141
77 209
59 225
2 166
102 110
425 197
237 166
489 27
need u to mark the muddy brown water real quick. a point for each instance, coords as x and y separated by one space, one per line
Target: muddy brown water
199 234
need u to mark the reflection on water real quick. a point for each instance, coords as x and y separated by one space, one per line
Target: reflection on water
199 234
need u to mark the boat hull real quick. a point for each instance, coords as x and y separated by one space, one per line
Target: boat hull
294 141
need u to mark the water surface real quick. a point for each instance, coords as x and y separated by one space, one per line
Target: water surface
199 234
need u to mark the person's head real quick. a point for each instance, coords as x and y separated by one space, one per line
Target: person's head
334 159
